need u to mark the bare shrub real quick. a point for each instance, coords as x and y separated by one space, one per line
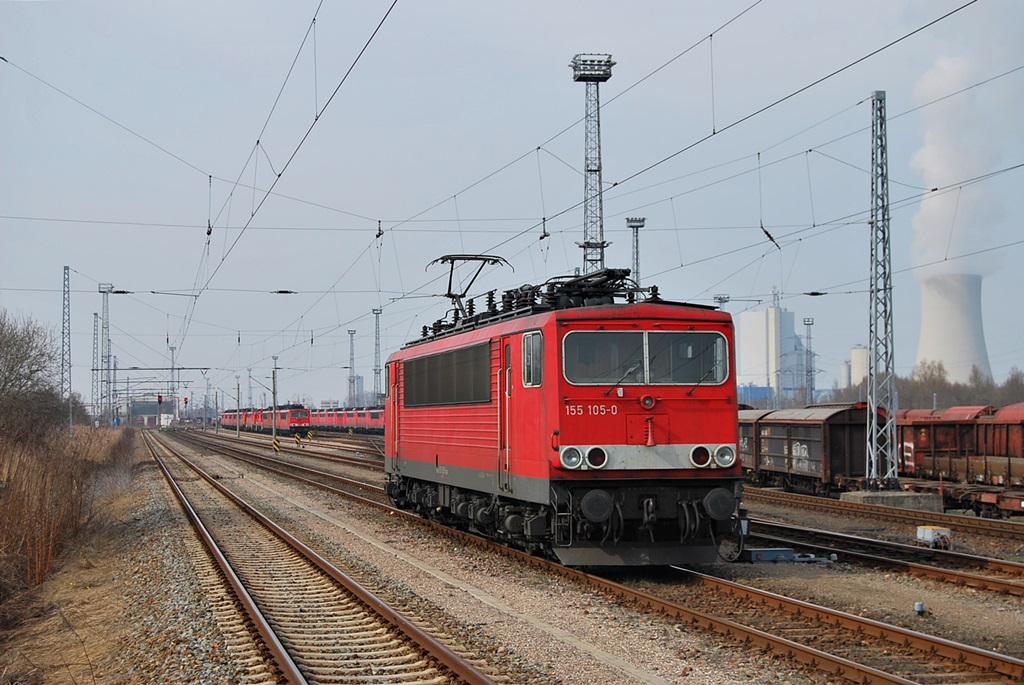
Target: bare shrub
45 488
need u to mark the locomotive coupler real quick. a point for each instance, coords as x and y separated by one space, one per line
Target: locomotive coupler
650 507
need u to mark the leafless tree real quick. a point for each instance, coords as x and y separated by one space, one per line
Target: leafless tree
29 378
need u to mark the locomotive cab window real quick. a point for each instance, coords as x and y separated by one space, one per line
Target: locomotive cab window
645 358
601 357
533 356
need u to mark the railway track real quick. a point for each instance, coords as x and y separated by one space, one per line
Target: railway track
945 565
290 467
354 450
318 624
969 525
842 646
985 574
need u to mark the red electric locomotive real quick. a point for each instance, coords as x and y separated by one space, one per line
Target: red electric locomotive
289 419
597 432
366 420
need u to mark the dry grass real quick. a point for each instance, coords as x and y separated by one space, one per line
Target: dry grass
48 491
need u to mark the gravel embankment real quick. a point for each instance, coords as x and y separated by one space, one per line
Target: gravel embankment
166 624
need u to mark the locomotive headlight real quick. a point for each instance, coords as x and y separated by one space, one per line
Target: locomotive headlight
571 458
725 456
700 456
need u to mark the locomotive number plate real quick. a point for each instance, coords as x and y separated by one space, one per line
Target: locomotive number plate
591 410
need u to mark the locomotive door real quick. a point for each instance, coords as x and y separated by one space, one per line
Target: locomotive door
505 415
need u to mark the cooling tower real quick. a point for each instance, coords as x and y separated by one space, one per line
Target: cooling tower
951 329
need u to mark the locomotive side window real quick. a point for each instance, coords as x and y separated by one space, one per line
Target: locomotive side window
533 355
455 377
648 357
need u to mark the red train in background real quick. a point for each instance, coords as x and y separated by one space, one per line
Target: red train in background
564 422
369 420
288 419
977 453
972 456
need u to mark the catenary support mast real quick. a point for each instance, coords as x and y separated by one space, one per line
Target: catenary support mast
65 347
809 362
97 401
106 406
352 368
881 435
376 357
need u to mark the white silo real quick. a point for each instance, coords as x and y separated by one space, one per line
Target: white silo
951 327
844 375
858 365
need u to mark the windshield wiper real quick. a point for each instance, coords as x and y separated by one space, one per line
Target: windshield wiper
616 384
702 379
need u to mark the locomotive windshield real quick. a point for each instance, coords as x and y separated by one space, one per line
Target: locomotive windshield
645 357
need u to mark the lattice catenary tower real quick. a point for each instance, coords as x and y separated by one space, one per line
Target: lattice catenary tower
351 368
376 356
105 371
809 362
96 400
592 70
65 347
881 448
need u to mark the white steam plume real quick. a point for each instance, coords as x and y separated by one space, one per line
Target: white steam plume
961 141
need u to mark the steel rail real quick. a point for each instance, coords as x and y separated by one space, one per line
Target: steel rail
284 662
830 664
373 464
1010 587
289 471
967 524
984 659
453 662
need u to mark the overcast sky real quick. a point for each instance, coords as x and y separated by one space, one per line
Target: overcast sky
128 128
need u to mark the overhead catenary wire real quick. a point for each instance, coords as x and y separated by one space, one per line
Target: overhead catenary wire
650 167
816 149
466 219
298 146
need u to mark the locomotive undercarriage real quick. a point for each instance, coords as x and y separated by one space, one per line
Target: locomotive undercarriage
611 525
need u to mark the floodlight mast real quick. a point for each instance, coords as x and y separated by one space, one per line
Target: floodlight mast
635 224
592 70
